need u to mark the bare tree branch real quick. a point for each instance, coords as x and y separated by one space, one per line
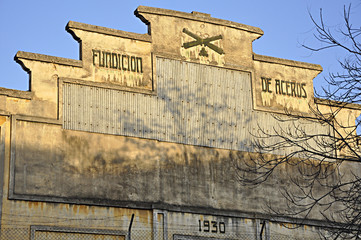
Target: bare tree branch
324 181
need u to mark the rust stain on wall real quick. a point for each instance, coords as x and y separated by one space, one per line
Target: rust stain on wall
2 120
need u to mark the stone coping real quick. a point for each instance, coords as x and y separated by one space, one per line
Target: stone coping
107 86
338 104
197 16
48 59
107 31
16 93
286 62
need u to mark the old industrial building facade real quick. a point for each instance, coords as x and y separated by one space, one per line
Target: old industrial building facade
137 139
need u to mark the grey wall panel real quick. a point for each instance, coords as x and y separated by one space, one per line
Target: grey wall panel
195 104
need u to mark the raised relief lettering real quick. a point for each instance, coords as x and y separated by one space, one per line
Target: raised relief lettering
119 68
204 42
266 83
286 88
202 46
118 61
211 226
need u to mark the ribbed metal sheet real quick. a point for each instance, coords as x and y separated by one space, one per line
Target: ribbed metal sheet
196 104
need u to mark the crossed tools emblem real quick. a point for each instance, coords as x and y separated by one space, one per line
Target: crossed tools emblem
204 42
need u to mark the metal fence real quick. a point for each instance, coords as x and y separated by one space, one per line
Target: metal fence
28 233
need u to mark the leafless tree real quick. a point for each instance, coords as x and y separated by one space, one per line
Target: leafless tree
328 166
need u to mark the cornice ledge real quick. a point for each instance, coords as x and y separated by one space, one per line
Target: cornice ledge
286 62
48 59
333 103
16 93
197 16
107 31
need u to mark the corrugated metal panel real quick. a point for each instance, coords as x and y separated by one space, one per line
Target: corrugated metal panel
196 104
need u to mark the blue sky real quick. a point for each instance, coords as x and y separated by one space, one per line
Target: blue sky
39 26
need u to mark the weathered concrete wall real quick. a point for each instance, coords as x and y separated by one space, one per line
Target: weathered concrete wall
39 218
285 87
108 169
114 56
345 125
53 164
22 219
59 179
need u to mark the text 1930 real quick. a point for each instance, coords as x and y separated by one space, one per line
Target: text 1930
211 226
